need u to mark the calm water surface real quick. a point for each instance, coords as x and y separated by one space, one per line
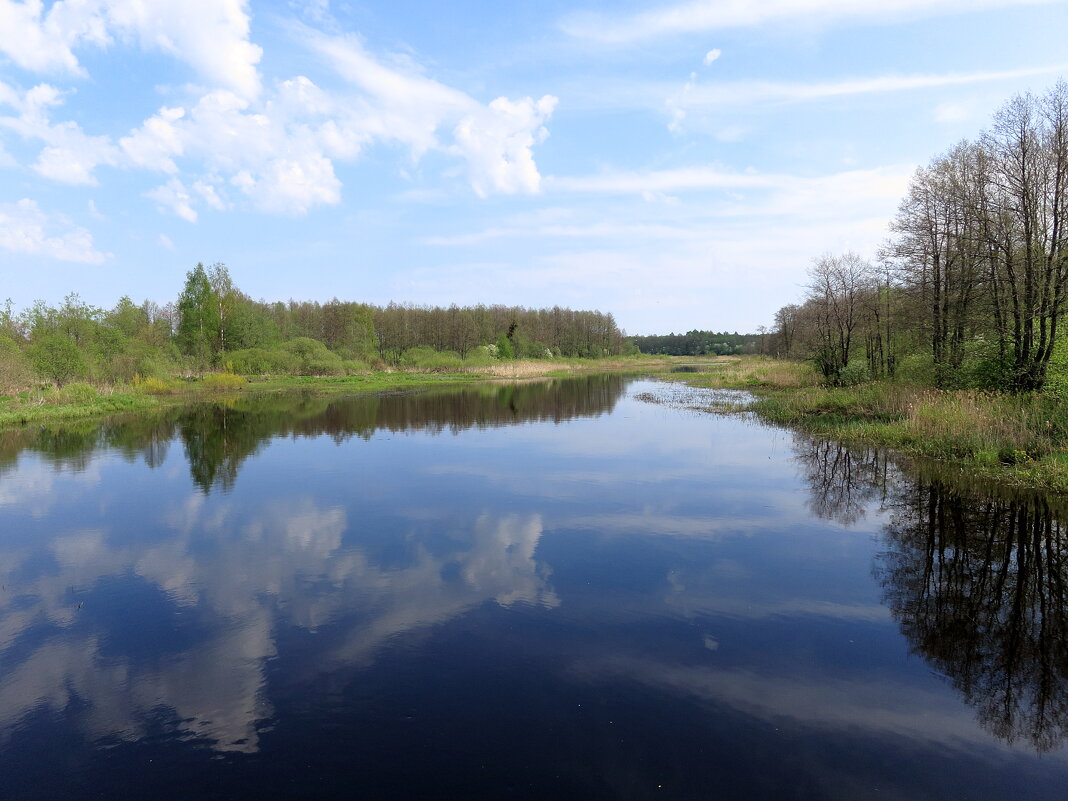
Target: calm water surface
578 589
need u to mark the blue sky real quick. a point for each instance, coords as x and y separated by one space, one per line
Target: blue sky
679 164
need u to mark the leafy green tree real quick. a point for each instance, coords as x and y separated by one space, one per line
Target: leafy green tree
57 357
198 316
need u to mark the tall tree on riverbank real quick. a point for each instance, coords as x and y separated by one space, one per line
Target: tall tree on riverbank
979 252
198 316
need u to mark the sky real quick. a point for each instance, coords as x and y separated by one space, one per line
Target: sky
677 163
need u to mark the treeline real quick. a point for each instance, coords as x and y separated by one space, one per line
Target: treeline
698 343
213 325
970 288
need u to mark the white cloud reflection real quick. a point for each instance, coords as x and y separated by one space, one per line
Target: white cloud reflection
285 564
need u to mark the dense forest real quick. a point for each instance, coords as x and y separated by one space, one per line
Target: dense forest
213 325
969 290
699 343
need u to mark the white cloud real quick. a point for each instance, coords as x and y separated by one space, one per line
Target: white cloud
70 155
280 150
712 55
175 198
212 36
166 242
401 104
291 186
677 180
747 93
708 15
497 143
25 229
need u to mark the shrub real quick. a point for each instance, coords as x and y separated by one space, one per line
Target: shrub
426 358
15 373
504 348
222 381
314 358
1057 372
856 372
482 356
262 361
153 385
56 357
80 392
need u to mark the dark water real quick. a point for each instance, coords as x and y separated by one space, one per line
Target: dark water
582 589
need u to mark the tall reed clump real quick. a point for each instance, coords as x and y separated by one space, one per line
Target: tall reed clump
752 373
951 424
822 406
991 427
222 381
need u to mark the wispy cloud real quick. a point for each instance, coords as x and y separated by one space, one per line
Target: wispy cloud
710 15
881 183
751 92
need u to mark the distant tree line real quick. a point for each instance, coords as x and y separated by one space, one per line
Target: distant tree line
698 343
970 288
213 325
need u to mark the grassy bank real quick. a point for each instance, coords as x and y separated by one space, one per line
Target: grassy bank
80 400
1014 439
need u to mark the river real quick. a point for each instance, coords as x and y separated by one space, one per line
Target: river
584 588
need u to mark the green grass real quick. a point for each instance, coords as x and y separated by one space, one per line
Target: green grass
1014 439
79 400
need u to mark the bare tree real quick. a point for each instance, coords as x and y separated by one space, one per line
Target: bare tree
836 288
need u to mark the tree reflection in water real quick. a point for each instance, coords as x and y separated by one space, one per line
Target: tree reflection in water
975 579
220 436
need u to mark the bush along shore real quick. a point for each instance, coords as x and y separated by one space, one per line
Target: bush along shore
1013 438
45 402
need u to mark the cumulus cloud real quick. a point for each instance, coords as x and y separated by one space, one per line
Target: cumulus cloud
497 143
401 104
26 229
212 36
70 155
276 150
712 55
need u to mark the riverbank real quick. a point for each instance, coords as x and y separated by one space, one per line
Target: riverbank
78 400
1020 440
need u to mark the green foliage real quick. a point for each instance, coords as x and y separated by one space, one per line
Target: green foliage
504 347
696 343
222 381
482 356
425 358
198 316
983 367
80 392
153 385
856 372
57 358
1057 371
15 371
916 368
314 358
263 361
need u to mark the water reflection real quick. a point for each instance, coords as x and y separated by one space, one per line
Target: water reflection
976 580
218 437
591 610
211 600
978 586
